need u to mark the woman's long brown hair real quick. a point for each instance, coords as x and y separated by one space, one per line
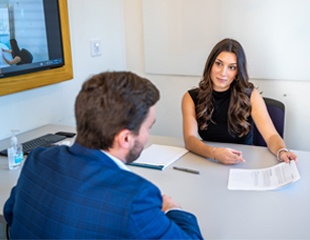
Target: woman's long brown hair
239 108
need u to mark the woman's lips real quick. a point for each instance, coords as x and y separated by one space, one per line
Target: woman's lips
221 80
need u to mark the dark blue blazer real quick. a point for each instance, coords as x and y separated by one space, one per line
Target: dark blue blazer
75 192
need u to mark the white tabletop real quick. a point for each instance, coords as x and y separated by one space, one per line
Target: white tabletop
225 214
221 213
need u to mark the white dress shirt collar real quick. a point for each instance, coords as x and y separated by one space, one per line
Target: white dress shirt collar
118 162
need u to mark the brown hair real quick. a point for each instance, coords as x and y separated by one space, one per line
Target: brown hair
14 47
110 102
239 108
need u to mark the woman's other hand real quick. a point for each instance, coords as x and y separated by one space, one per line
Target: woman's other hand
287 156
228 156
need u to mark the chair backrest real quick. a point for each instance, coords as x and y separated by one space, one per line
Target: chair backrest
276 110
26 56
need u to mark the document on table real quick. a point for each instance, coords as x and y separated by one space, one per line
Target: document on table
263 179
159 156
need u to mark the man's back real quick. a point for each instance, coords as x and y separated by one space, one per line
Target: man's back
81 193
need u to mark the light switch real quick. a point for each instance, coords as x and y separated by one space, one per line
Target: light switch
95 47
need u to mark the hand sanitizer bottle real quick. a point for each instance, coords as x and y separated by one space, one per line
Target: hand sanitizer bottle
15 153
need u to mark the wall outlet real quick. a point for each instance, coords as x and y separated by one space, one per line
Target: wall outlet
95 47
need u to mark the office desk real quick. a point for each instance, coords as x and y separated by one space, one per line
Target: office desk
222 214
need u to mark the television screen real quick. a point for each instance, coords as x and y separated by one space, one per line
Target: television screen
30 36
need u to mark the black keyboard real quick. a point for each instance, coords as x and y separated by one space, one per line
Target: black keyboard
44 141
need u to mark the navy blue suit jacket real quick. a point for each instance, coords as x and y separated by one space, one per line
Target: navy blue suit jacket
75 192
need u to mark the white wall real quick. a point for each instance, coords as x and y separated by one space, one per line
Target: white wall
107 20
54 104
185 31
294 94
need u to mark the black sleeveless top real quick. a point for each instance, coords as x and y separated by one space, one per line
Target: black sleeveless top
218 131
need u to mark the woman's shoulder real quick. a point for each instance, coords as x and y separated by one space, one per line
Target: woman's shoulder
255 95
249 90
193 93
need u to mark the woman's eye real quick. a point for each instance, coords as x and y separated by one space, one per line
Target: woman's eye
218 63
233 68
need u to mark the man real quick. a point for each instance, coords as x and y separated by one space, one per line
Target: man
87 191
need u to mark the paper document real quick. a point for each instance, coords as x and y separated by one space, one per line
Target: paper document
270 178
159 156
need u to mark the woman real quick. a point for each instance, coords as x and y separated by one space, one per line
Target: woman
15 53
221 109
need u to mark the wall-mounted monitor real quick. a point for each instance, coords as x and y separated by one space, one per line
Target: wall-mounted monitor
35 45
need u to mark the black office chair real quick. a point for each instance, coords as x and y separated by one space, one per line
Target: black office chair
276 110
26 56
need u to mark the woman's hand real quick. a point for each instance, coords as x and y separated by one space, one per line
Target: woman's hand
7 61
287 156
228 156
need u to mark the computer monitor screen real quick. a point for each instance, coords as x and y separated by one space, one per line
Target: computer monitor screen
30 36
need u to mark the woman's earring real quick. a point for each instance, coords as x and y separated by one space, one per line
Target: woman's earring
237 78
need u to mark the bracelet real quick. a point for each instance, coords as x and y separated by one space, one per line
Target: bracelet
213 153
280 150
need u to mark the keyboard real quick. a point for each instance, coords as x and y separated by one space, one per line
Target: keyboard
45 141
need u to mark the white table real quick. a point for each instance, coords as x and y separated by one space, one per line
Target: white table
222 214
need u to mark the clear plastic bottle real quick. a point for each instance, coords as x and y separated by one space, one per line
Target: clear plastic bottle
15 153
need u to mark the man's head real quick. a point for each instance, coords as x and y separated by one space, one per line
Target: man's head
114 103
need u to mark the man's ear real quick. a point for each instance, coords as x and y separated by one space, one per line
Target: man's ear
124 139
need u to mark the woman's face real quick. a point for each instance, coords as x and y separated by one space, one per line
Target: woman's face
223 71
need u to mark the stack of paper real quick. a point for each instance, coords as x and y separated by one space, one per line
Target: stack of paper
159 156
271 178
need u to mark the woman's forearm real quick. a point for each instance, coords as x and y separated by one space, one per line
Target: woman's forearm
274 143
195 145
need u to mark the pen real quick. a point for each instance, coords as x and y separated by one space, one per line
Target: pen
186 170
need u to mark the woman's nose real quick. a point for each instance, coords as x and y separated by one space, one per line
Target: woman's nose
224 71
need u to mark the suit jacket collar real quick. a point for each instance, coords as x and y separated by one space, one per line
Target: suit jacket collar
94 154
